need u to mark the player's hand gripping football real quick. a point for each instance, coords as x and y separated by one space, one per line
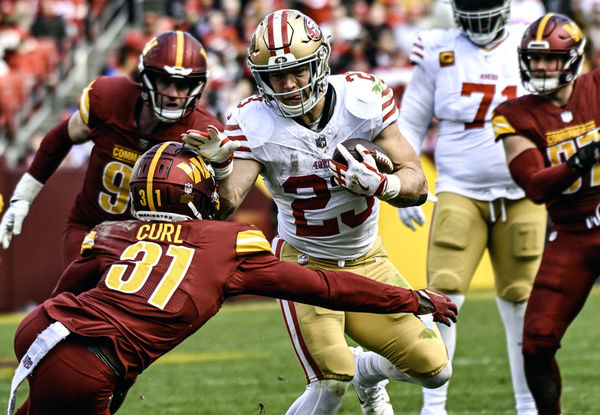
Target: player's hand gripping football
362 177
214 146
440 305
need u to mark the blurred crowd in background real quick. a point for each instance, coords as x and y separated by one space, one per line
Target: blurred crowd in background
37 38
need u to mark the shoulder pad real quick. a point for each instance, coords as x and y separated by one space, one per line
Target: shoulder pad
88 243
364 95
251 120
252 241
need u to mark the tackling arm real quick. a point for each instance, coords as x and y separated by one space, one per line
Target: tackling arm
340 290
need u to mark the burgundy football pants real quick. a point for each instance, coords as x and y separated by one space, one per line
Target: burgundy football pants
570 266
70 379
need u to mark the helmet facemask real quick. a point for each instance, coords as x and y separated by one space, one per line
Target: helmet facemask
159 101
482 25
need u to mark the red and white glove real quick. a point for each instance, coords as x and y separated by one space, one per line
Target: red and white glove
214 146
440 305
363 178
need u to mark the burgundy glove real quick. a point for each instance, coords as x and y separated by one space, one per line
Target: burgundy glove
442 308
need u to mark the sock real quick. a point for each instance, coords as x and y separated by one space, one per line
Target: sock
434 400
323 397
512 315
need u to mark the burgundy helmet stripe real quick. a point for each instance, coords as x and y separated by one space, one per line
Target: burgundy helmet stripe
270 27
285 39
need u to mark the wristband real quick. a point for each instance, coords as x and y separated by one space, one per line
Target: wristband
27 189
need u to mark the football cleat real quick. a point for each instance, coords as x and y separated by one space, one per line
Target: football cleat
373 400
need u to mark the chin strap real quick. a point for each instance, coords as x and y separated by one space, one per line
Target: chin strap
166 216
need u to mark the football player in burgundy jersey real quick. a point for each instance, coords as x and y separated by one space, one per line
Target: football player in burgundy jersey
460 75
123 119
551 143
158 279
327 211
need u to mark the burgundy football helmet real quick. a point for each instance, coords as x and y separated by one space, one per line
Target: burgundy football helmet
171 182
555 35
482 21
174 56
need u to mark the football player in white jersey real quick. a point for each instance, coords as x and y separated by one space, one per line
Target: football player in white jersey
459 77
327 212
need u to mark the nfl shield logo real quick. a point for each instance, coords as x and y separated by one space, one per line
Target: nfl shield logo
566 116
27 362
302 259
321 142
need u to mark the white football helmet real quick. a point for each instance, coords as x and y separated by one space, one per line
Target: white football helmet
482 20
287 39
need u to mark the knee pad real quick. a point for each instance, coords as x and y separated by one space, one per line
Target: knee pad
515 292
446 281
428 356
540 336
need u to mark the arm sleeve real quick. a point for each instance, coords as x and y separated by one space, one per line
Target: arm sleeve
416 110
53 149
81 275
338 290
539 182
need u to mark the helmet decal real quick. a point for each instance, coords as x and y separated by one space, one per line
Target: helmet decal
195 169
312 29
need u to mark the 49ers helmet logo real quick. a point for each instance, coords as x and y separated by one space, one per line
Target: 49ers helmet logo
312 29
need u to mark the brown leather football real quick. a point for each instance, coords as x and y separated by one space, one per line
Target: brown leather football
384 164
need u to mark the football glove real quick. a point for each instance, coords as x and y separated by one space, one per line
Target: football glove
214 146
363 178
411 214
12 222
442 308
584 158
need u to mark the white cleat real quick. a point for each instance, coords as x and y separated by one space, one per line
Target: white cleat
374 400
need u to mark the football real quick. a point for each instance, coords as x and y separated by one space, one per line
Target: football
384 163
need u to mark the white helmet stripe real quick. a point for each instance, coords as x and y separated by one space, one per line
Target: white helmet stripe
278 33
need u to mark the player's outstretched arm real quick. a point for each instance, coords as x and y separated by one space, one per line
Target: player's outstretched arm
339 290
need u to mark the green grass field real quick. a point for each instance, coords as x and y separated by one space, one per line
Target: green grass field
241 363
